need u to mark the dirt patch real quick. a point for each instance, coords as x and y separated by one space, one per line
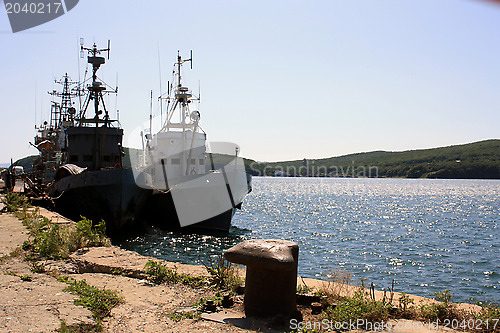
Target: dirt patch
148 307
12 234
32 302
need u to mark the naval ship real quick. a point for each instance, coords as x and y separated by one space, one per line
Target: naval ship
80 168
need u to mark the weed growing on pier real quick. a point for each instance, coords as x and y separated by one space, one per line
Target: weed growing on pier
304 289
79 328
99 301
339 284
406 307
50 242
86 234
14 201
489 318
442 310
223 274
26 278
178 316
159 273
358 307
37 267
53 241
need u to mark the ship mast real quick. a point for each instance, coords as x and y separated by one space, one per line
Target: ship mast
63 113
96 89
180 98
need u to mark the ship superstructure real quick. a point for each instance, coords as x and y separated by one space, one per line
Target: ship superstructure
190 187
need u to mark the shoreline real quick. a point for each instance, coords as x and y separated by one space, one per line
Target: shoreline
146 307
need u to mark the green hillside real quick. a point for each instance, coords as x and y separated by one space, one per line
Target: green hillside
26 162
479 160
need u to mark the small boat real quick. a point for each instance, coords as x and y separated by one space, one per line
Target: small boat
195 184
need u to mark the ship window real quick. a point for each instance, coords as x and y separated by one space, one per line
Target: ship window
176 161
202 161
73 158
193 161
87 158
106 158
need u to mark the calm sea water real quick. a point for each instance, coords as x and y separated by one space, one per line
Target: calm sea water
427 235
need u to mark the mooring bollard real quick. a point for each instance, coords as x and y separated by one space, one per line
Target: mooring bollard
271 277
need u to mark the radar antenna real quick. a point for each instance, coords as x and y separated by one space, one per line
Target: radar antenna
96 88
179 63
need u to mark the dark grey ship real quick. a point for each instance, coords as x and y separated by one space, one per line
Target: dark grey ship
80 168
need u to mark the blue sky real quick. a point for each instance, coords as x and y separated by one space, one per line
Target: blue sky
283 79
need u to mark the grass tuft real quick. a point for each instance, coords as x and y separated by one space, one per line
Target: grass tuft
178 316
223 274
443 309
489 317
14 201
159 273
79 328
26 278
53 241
360 306
86 234
99 301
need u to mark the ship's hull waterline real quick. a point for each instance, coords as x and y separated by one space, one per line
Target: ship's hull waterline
160 210
110 195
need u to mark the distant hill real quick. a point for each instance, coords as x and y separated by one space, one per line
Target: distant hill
26 162
478 160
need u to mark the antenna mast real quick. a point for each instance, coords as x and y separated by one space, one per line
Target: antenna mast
97 88
159 75
181 61
63 112
151 114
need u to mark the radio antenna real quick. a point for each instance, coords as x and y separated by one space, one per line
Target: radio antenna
82 53
151 114
168 99
116 96
159 75
35 103
79 77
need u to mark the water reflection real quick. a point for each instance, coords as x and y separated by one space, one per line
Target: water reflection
187 248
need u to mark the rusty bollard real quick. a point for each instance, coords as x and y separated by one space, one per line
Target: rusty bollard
271 276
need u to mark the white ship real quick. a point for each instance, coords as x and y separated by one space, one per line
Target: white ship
195 183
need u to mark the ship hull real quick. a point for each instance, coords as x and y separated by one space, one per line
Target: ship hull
160 211
110 195
204 202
